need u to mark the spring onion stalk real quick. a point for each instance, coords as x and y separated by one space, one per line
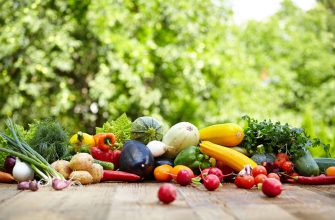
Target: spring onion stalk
17 147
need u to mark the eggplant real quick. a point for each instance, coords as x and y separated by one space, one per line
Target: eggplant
163 160
136 158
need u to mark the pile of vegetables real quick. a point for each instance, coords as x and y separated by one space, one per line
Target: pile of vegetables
263 155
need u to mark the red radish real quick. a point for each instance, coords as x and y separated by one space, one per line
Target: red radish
274 175
259 179
184 177
211 182
167 193
245 181
259 170
216 171
271 187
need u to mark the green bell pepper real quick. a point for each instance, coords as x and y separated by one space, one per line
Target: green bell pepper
193 158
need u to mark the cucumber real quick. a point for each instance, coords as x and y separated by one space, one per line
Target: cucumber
306 165
324 163
105 165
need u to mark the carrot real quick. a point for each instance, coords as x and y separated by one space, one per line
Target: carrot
6 177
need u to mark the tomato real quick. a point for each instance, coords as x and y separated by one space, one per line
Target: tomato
260 178
282 156
175 170
330 171
280 159
162 173
259 170
274 175
287 167
245 181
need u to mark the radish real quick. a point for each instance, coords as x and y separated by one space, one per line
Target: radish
211 182
216 171
271 187
167 193
184 177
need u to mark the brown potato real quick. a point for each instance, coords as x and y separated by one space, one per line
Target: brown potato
84 177
81 161
96 172
62 167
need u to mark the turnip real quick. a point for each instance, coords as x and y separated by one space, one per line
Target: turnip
167 193
157 148
81 161
271 187
62 167
84 177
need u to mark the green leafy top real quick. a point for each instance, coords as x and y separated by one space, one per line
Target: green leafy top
276 137
121 128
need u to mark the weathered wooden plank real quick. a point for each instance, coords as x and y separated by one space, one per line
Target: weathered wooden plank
139 201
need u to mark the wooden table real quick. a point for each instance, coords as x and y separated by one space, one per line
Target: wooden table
139 201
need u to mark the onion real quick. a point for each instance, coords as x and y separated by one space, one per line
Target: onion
9 164
33 185
22 171
23 185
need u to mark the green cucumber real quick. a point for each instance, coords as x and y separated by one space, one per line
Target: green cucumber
324 163
105 165
306 165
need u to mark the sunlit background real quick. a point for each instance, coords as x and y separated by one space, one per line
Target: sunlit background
204 61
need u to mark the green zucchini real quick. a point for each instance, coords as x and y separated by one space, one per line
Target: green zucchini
324 163
306 165
105 165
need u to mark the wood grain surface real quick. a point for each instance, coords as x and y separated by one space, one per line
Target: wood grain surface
139 201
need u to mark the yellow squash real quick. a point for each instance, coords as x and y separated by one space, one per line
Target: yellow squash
228 134
228 156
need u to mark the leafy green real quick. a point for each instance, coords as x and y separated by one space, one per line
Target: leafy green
277 137
121 128
49 139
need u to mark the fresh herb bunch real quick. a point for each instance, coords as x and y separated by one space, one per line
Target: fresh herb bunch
49 139
276 137
121 128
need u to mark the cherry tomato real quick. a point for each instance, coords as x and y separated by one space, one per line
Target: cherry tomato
330 171
260 178
245 181
259 170
162 173
274 175
287 167
282 156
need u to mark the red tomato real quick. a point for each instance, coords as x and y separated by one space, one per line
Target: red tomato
287 167
245 181
260 178
259 170
282 156
274 175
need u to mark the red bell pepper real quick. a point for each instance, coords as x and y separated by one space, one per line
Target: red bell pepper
112 156
104 141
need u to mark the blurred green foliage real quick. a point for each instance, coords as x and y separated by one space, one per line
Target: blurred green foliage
84 62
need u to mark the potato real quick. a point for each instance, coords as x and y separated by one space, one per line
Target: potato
81 161
84 177
62 167
96 172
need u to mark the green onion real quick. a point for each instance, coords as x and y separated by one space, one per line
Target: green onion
17 147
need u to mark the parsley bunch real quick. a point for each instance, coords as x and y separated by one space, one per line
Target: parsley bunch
276 137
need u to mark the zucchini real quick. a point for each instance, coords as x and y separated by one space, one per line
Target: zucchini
105 165
306 165
324 163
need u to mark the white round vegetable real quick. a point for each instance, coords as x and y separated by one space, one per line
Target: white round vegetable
22 171
157 148
180 136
